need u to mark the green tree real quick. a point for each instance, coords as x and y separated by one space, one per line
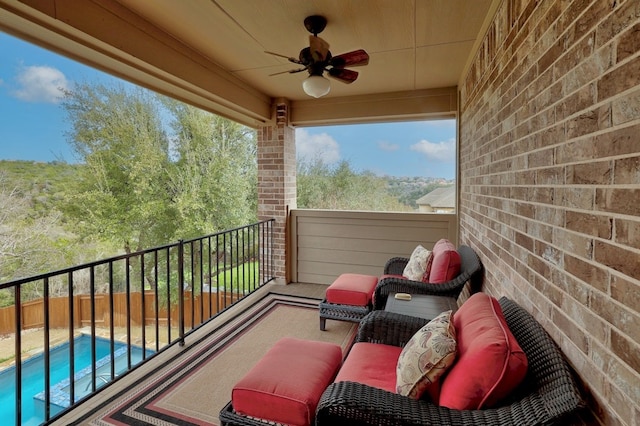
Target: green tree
214 180
321 186
123 190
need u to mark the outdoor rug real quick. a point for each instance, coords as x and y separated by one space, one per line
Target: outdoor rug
193 388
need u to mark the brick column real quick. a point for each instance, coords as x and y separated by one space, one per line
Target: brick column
277 181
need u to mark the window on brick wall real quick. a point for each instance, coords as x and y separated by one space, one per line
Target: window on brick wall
404 166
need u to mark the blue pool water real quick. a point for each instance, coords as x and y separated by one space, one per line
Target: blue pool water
33 377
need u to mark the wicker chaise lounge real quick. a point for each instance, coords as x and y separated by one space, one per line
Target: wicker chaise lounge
547 396
470 270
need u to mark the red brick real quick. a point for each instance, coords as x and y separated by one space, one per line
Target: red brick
627 108
571 330
550 56
584 316
550 176
620 259
581 100
539 266
628 232
542 195
587 272
621 404
626 350
626 292
629 43
617 142
618 200
580 245
627 171
591 17
589 224
525 241
579 198
619 79
541 158
595 173
574 55
622 18
625 320
592 68
625 378
549 253
580 150
550 215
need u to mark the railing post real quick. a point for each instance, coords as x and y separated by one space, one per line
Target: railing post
47 358
18 348
181 291
271 264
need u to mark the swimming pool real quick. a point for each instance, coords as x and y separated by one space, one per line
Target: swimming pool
33 377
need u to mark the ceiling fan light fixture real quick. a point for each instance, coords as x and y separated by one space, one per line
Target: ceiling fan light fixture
316 86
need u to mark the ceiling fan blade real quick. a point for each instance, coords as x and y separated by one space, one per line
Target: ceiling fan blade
288 72
344 75
289 58
319 48
350 59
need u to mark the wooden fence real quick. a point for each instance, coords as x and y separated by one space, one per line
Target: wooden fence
32 313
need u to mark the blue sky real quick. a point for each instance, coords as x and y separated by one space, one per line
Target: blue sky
33 124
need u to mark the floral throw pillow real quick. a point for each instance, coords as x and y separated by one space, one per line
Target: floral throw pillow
417 264
426 357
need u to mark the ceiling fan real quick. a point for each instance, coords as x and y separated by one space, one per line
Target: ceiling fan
316 59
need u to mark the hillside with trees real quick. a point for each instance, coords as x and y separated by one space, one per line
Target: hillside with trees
152 171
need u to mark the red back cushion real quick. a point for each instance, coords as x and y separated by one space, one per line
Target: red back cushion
444 264
490 362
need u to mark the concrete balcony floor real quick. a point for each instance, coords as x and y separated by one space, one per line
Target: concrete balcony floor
135 377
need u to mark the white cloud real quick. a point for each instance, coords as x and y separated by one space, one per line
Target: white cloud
310 147
40 84
440 151
388 146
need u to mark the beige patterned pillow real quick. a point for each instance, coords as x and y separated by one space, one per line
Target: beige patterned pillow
417 264
427 356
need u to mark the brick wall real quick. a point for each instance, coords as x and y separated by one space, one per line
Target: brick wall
550 181
277 181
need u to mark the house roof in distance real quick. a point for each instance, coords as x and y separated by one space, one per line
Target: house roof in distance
440 197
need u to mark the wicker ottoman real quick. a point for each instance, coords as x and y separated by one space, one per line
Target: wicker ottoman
284 387
348 298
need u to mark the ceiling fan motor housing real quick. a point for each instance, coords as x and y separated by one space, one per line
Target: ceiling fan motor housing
315 24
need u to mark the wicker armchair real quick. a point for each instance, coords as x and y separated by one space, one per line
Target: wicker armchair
547 396
470 270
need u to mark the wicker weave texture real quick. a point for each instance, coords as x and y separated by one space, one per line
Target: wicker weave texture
341 312
470 270
547 396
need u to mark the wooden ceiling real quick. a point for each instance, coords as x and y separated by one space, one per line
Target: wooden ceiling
215 49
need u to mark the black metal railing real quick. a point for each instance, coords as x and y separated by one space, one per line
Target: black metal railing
151 299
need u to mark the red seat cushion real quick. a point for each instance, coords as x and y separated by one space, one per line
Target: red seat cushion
352 289
286 384
371 364
445 263
490 361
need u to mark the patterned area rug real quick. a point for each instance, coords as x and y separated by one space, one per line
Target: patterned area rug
192 389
